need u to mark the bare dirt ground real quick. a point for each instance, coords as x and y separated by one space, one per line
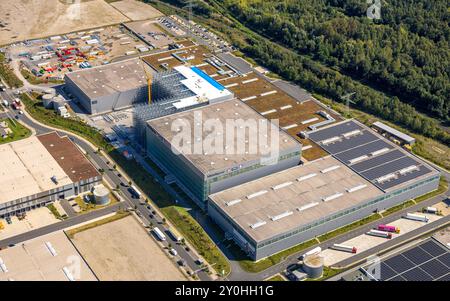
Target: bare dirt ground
136 11
122 250
31 19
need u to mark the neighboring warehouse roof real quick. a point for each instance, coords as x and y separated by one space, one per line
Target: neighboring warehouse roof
69 157
33 260
392 131
286 200
372 156
231 110
201 84
109 79
27 169
29 165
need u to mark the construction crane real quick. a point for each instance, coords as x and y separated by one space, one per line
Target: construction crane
149 76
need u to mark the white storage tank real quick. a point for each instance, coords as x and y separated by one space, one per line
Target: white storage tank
58 101
101 195
313 266
47 100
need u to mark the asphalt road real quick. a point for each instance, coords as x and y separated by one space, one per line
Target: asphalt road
112 176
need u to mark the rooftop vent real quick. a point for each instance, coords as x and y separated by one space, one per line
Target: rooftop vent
380 151
351 134
385 178
408 169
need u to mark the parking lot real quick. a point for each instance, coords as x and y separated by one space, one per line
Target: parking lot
51 58
365 242
151 33
182 27
37 218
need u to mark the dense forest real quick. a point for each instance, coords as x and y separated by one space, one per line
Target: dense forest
406 53
330 47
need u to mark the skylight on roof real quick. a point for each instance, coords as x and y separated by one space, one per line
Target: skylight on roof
258 224
282 215
330 169
308 176
307 206
256 194
332 197
282 185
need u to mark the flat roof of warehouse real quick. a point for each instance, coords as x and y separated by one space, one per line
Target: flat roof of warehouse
377 159
27 168
33 260
286 200
69 157
108 79
231 110
29 164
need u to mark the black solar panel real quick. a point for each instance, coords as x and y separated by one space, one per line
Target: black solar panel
417 264
362 150
445 259
417 255
390 167
399 263
386 272
417 274
377 161
334 131
352 142
433 248
407 177
435 268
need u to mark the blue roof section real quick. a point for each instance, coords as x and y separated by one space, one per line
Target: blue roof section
208 78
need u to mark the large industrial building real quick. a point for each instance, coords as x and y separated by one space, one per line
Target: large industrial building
363 173
201 173
39 170
110 87
175 91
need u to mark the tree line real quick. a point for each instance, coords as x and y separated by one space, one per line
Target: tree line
409 60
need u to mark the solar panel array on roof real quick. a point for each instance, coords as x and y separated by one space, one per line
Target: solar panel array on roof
428 261
368 154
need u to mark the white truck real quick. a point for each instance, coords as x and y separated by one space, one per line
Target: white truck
312 252
5 103
344 248
417 217
379 233
159 234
